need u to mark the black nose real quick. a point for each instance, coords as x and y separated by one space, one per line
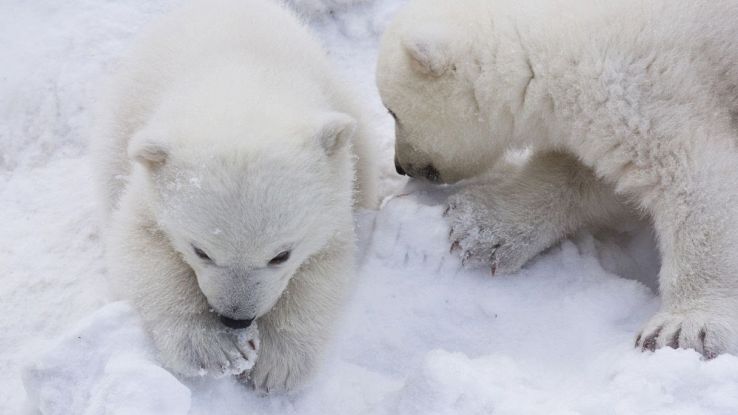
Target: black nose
399 168
235 324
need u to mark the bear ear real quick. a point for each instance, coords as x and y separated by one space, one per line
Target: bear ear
147 151
336 129
429 52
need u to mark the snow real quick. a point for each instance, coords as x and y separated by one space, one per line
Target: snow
420 335
108 359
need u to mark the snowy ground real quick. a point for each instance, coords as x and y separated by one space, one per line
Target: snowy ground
420 336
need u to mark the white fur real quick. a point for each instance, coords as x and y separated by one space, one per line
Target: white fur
628 102
228 131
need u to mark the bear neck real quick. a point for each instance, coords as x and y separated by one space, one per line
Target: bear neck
518 78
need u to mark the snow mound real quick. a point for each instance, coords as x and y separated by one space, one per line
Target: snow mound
669 382
105 365
393 240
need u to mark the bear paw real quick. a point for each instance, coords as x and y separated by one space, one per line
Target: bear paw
710 334
485 233
213 351
280 369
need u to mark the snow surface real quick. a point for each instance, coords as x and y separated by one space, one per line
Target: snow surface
419 336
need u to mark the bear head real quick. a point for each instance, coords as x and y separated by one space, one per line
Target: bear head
428 74
246 185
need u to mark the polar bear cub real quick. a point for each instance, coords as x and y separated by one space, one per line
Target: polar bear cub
624 103
229 160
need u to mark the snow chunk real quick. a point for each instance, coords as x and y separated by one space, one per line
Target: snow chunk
411 235
105 365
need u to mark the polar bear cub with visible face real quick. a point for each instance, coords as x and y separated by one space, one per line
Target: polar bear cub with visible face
229 159
625 104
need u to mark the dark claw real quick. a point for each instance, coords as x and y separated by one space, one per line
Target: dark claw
494 268
709 354
448 209
465 258
674 342
454 247
638 340
650 342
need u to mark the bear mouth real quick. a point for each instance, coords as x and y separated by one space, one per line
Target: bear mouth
235 324
430 173
427 172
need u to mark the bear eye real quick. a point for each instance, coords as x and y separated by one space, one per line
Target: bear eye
281 258
201 254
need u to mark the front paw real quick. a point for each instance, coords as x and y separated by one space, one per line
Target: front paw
485 234
709 333
283 366
207 348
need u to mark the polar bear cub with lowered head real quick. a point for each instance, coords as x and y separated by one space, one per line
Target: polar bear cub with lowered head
624 103
229 159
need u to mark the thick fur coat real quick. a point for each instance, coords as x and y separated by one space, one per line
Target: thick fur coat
627 104
229 158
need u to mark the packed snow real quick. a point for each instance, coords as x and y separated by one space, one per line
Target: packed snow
420 335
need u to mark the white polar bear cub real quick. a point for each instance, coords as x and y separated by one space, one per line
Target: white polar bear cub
230 159
623 102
